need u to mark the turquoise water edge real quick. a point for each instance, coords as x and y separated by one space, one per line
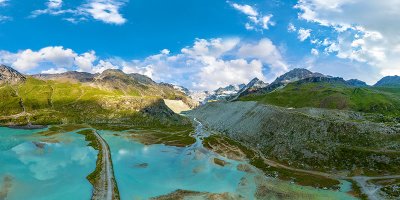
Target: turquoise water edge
55 167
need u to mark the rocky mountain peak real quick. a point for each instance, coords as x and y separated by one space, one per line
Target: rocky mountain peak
10 75
257 83
295 75
112 75
112 72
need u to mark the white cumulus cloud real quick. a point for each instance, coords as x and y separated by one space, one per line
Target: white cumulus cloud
54 71
303 34
368 31
206 65
257 21
107 11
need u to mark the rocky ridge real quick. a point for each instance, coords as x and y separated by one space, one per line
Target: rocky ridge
10 75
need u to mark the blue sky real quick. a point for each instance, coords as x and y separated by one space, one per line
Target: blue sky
202 44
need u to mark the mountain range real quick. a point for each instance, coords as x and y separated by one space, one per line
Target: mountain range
110 97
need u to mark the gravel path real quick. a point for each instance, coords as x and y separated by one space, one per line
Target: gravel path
105 189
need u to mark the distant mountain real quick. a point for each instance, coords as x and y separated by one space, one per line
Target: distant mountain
331 93
289 77
11 76
224 93
389 81
71 76
227 93
296 75
182 89
199 96
253 85
356 83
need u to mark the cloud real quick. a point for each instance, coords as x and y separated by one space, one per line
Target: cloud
107 11
85 61
291 28
53 7
314 52
210 64
364 33
54 71
206 65
303 34
57 58
28 59
265 51
4 18
246 9
257 21
54 3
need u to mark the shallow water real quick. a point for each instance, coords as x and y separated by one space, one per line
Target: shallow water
40 170
59 170
149 171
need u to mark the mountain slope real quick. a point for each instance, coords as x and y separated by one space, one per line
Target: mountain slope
356 83
289 77
389 81
333 95
71 76
313 139
111 98
301 88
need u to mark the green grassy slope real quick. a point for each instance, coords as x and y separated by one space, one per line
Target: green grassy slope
333 96
52 102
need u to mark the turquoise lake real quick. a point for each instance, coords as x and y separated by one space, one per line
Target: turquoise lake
55 167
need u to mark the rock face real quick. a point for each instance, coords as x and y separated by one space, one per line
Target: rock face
10 75
389 81
307 138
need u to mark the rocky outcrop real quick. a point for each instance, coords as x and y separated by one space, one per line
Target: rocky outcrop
10 75
308 138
